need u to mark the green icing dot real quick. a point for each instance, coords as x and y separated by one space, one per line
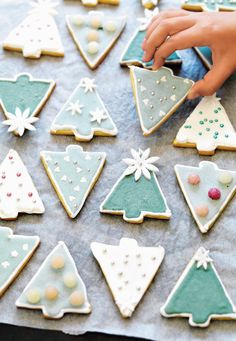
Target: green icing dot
226 135
221 125
207 129
200 133
216 133
216 111
187 126
216 120
205 119
200 112
215 137
211 121
219 108
201 122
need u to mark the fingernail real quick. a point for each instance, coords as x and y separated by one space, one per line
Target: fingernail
193 95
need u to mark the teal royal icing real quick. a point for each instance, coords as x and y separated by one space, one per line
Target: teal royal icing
47 276
24 92
15 251
73 173
206 53
81 124
134 197
200 294
134 52
209 178
157 94
213 5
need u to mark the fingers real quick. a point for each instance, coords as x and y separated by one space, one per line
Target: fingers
159 36
212 81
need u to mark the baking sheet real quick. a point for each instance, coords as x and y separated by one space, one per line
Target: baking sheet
180 236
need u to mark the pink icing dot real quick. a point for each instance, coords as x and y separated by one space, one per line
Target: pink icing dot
194 179
18 174
202 211
3 176
30 194
214 193
9 194
10 157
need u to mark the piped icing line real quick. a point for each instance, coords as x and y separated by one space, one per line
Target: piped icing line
200 258
209 177
129 270
205 55
71 291
22 106
27 244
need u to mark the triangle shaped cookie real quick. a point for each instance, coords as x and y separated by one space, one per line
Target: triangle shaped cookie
199 294
208 128
38 33
30 95
207 190
16 251
129 270
73 174
164 94
95 34
17 191
84 114
57 287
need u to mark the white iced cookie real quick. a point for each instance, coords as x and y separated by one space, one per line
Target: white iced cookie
209 5
38 33
129 270
56 288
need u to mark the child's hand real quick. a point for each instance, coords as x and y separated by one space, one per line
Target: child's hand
177 30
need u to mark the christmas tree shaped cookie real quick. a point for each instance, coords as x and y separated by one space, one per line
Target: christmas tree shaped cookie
93 3
95 34
84 114
205 55
137 193
38 33
207 190
56 288
17 191
129 270
208 128
209 5
73 174
158 94
133 54
22 98
15 253
149 4
199 294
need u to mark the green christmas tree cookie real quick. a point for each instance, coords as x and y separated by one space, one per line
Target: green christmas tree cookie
207 190
95 34
133 54
73 174
84 114
38 33
199 294
56 288
137 193
208 128
158 94
15 253
209 5
21 99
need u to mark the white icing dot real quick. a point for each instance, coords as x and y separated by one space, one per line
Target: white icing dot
70 280
25 247
77 298
33 296
110 26
14 254
5 264
96 21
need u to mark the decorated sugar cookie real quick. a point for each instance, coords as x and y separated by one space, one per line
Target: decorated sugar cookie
133 54
95 34
73 174
129 270
17 191
21 99
149 4
205 55
15 253
137 193
208 128
84 114
56 288
207 190
38 33
158 94
93 3
209 5
199 294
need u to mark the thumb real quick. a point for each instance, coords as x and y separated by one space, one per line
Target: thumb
212 81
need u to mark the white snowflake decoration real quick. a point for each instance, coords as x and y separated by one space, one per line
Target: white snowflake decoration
148 15
75 108
43 7
141 164
88 84
20 121
98 115
202 258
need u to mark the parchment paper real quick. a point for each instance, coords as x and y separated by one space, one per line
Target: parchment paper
180 236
